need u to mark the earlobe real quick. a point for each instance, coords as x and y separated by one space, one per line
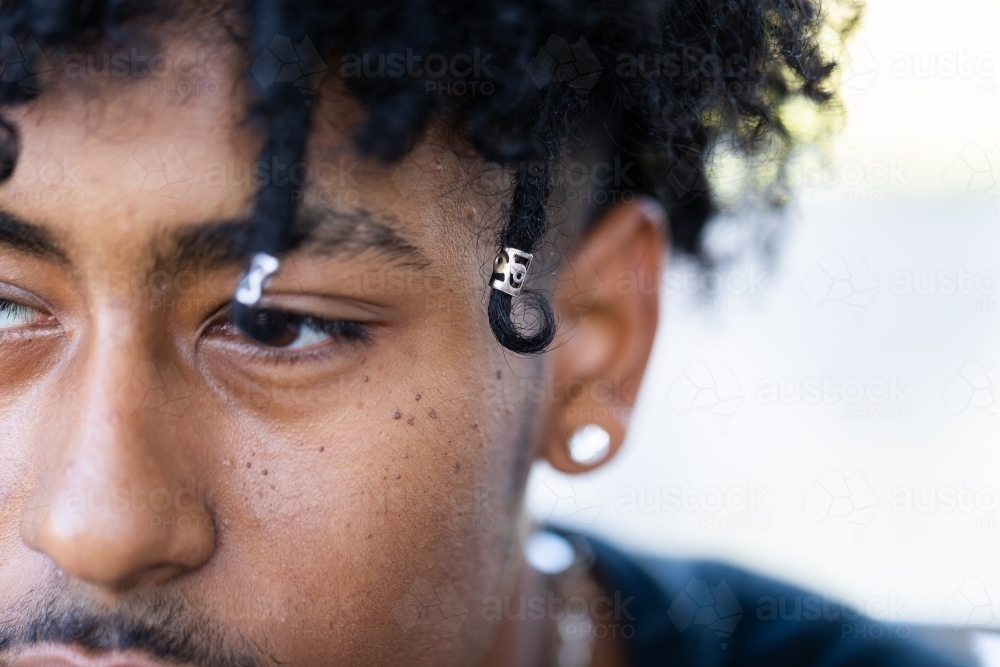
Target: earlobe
607 327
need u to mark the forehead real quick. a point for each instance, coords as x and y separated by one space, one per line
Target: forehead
122 160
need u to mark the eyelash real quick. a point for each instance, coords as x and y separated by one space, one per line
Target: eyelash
351 331
17 318
339 331
15 309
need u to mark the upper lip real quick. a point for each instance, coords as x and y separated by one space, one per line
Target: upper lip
55 655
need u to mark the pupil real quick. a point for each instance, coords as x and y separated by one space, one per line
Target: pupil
274 328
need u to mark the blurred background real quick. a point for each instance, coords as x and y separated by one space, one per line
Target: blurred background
827 413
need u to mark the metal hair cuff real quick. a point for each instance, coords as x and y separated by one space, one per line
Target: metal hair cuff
510 270
253 282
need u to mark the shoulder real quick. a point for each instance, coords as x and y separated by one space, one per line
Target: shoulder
702 613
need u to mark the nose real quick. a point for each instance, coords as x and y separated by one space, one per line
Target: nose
117 499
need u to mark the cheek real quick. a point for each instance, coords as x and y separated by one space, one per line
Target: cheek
376 504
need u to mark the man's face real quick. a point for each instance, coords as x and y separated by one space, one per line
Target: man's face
168 483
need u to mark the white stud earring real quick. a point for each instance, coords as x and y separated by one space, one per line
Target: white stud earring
589 445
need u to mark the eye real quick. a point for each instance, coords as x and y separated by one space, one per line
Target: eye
284 330
13 314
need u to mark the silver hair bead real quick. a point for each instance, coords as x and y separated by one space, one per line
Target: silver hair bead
253 282
510 270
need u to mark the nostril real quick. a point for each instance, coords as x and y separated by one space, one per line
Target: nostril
156 575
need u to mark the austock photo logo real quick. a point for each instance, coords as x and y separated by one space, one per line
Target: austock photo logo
872 399
573 64
738 507
158 388
704 388
868 182
283 62
434 607
975 387
849 282
978 503
836 497
23 64
712 608
975 604
153 170
974 171
861 71
979 287
568 499
875 616
728 290
978 67
48 182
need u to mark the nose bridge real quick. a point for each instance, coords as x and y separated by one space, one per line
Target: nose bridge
116 500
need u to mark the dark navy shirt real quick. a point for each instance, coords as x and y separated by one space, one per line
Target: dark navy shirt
699 614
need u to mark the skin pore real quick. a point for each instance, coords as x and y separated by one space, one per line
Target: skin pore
351 498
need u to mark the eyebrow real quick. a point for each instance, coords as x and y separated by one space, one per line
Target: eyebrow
319 232
30 239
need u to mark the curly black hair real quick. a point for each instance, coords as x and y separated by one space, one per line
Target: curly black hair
664 79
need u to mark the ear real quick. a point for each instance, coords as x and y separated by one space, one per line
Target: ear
607 300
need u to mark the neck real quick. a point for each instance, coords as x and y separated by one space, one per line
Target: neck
523 640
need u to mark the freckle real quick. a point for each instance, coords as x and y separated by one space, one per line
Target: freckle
272 487
499 375
475 425
322 448
265 472
396 415
410 421
368 536
418 397
248 464
458 466
434 415
366 378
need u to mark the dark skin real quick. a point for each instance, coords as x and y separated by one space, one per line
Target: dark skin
279 504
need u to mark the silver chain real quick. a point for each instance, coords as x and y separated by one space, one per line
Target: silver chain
568 564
